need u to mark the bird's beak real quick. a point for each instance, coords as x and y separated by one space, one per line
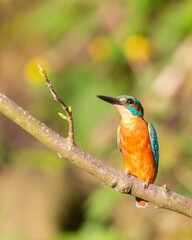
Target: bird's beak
111 100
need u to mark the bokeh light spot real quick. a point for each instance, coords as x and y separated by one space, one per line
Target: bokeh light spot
99 48
137 48
31 72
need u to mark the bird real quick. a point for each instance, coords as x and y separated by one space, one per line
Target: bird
137 140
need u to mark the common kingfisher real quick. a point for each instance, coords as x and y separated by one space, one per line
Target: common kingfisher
137 140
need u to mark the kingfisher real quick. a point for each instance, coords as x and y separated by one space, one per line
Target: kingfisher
137 141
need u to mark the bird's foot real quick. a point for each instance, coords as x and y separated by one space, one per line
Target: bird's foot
146 184
165 188
127 173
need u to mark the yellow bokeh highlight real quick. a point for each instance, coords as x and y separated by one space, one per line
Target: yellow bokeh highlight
137 48
31 71
99 48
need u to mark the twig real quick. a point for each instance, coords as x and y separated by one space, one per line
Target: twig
65 107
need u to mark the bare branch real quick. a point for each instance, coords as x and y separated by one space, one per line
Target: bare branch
160 196
66 108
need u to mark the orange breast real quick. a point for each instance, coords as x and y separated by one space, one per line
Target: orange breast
136 149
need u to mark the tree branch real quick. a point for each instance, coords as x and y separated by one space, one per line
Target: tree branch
160 196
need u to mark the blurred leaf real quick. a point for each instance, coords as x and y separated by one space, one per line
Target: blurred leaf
38 158
93 232
101 203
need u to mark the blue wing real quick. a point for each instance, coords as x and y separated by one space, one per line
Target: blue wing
154 143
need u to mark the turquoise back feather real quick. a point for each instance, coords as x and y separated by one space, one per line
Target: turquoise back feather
154 143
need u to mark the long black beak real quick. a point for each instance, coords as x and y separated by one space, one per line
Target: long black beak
110 100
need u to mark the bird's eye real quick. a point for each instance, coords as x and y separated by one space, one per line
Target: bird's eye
130 101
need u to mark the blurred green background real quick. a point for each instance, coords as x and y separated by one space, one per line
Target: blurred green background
139 48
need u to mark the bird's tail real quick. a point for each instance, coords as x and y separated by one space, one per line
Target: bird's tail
140 203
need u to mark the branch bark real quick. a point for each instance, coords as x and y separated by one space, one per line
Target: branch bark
159 196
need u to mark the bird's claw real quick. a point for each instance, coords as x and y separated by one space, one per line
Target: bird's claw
165 188
127 173
146 184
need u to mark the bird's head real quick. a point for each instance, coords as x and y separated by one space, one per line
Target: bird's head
126 105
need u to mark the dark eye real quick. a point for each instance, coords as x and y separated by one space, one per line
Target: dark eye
130 101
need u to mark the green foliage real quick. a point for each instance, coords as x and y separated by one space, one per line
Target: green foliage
98 210
93 231
37 159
